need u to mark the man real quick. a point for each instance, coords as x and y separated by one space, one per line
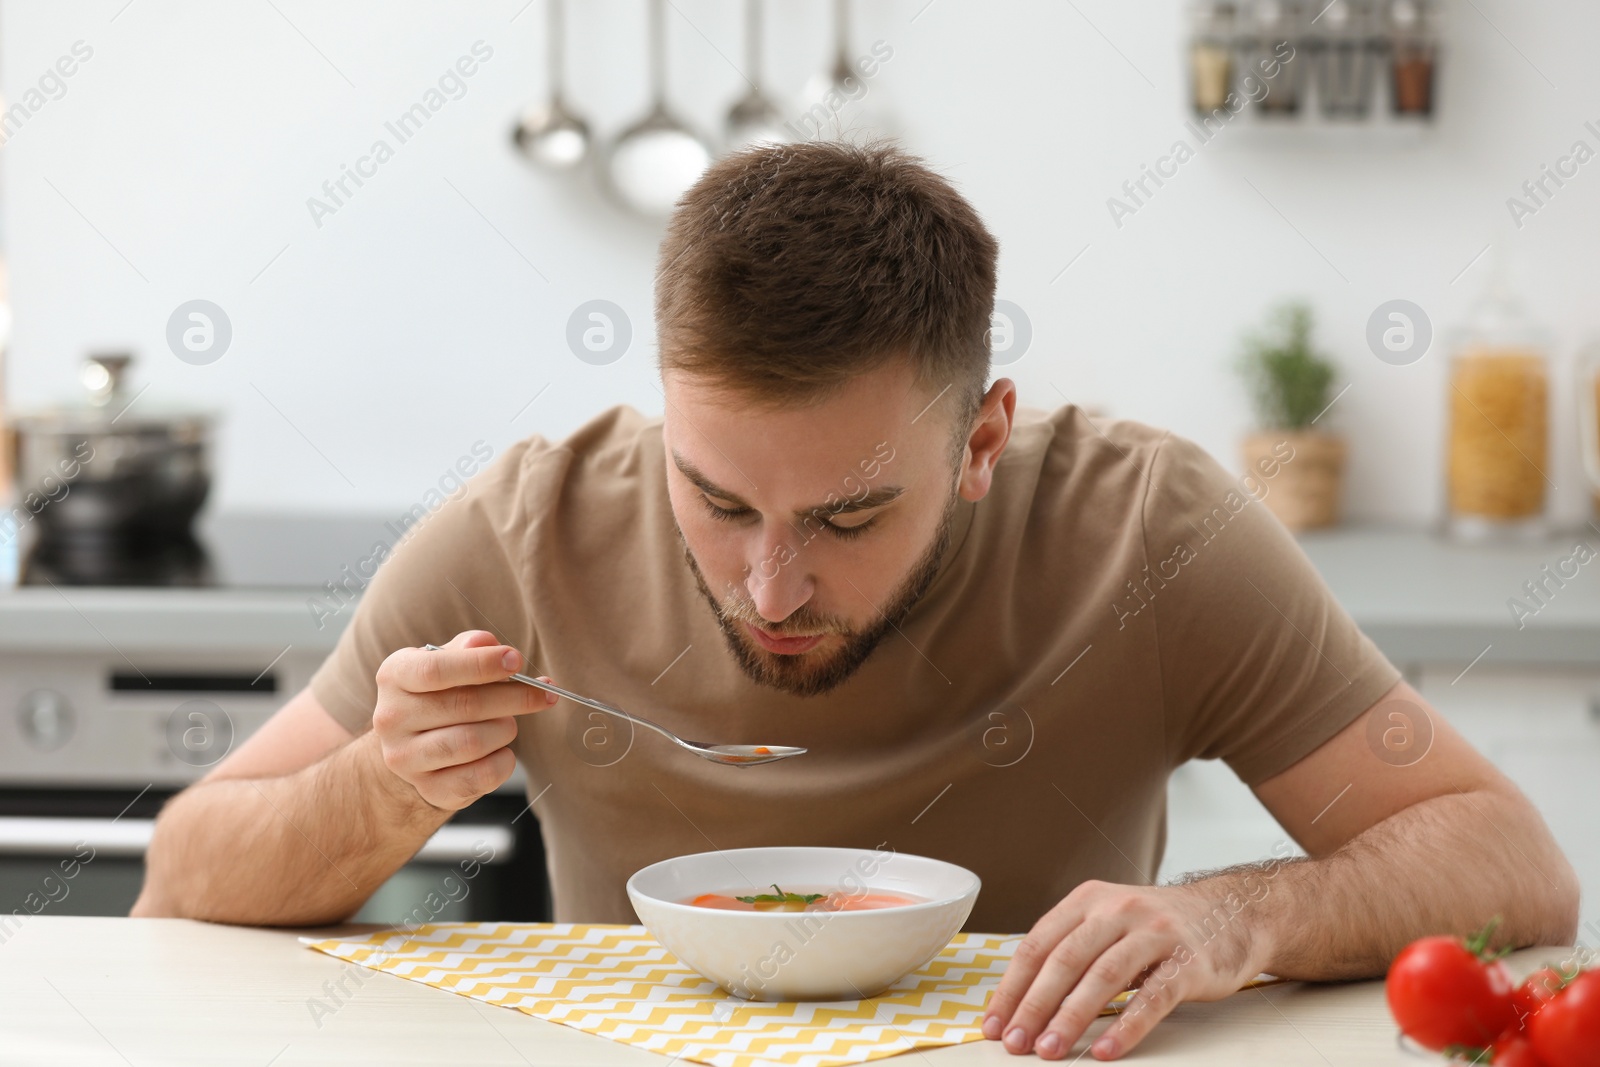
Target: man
997 633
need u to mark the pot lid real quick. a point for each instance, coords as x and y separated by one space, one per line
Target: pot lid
109 406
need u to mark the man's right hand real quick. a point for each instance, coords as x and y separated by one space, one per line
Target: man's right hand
444 726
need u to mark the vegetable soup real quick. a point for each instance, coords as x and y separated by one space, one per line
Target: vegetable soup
805 899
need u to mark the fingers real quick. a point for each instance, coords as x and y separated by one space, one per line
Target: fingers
444 721
467 660
451 768
472 703
1153 1002
1059 972
463 743
1101 940
453 788
1029 958
472 639
1107 976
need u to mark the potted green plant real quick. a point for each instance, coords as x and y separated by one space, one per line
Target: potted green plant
1291 383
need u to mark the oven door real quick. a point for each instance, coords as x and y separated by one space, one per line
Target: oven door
81 852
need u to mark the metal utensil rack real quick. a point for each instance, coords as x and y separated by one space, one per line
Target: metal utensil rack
1314 62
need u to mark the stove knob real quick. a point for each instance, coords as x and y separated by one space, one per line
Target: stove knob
46 718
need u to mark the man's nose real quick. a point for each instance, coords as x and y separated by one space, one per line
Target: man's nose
778 582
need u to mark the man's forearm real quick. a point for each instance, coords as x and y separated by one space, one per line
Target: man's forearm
1446 865
303 849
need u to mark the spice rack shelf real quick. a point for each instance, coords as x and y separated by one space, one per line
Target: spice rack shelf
1364 69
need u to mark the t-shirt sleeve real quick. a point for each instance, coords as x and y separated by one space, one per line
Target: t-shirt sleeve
1259 662
454 570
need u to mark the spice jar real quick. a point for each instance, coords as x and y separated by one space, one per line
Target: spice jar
1346 60
1499 433
1211 57
1270 71
1413 63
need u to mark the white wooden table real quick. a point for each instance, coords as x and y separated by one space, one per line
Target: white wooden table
158 991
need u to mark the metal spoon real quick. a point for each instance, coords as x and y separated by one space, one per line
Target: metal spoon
734 755
551 135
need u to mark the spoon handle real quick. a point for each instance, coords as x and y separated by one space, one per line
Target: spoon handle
551 687
598 705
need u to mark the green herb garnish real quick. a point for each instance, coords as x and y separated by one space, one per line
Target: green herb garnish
780 898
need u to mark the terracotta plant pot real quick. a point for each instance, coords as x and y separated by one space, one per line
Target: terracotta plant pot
1305 490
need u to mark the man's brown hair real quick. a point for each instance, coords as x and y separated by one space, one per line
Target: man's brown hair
789 269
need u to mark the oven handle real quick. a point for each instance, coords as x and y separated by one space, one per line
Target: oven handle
46 836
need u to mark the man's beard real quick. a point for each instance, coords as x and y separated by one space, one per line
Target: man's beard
801 674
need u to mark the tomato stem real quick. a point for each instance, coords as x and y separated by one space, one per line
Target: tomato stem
1478 943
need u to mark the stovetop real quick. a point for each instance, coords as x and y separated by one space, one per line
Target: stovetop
106 662
229 551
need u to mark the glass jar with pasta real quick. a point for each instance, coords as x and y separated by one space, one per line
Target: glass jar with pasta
1589 420
1499 424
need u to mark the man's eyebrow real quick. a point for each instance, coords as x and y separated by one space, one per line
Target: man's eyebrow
873 498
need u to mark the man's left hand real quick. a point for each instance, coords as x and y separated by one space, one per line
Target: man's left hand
1172 943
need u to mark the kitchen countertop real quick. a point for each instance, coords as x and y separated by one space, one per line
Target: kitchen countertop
169 991
1421 598
263 572
1424 599
43 619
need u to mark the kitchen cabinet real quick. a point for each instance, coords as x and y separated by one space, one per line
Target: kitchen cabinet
1541 728
1213 820
1527 696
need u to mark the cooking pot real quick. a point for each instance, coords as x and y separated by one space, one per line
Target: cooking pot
107 471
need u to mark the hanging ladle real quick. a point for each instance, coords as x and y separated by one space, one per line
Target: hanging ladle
655 161
754 119
550 134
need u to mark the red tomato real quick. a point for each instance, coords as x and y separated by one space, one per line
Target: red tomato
1443 993
1566 1031
1515 1050
1535 991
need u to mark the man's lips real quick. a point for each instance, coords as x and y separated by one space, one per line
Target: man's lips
784 645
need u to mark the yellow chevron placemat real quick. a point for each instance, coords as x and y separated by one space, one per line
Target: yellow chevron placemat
618 982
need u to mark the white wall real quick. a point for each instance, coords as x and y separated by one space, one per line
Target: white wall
405 327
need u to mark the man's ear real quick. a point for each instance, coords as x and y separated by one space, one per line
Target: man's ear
988 439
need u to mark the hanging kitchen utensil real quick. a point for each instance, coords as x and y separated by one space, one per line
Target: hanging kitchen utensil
754 119
550 134
654 162
834 100
828 91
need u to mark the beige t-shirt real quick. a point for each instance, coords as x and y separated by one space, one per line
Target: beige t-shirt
1116 605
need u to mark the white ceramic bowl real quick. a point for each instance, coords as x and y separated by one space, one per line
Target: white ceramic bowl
814 955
